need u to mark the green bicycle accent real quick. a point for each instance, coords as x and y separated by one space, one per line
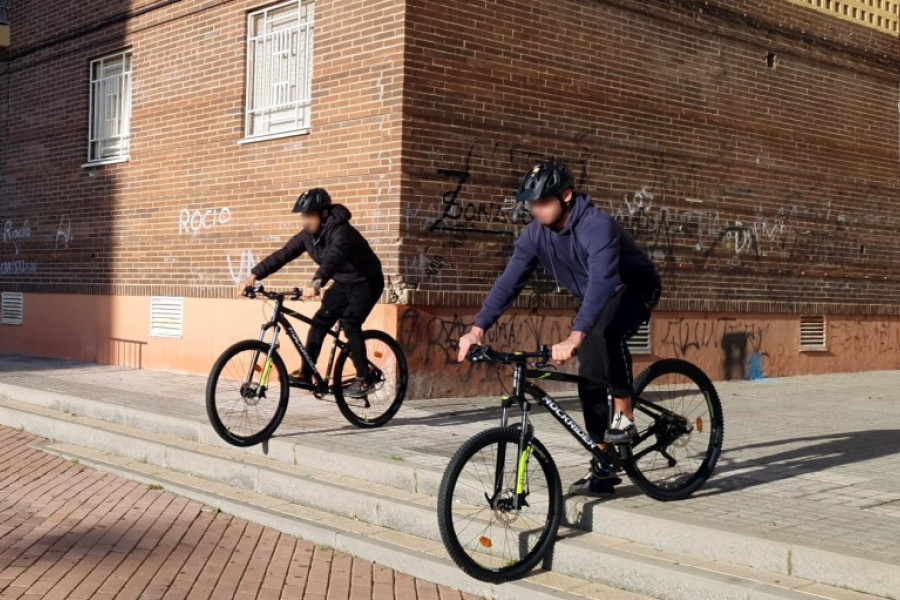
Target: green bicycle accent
264 380
523 465
545 376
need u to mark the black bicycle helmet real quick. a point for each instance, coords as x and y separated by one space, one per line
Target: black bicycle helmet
546 179
314 200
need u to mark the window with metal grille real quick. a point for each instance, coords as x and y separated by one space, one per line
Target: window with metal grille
110 119
813 334
4 12
279 70
166 316
12 306
639 343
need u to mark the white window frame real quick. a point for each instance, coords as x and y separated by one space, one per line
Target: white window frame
110 100
278 92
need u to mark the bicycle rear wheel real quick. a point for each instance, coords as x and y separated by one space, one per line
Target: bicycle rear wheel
243 408
483 532
680 430
388 363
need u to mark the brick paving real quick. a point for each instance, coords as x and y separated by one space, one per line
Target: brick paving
813 461
70 532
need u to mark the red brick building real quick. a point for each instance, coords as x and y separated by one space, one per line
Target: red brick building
151 150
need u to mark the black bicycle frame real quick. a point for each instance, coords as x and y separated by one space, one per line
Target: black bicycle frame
278 321
523 387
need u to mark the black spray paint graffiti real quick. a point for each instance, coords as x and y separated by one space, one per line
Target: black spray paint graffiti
465 217
435 339
483 217
742 344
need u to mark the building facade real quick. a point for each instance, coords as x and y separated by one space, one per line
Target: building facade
151 151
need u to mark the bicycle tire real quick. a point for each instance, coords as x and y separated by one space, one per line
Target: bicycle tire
212 411
714 447
402 383
445 504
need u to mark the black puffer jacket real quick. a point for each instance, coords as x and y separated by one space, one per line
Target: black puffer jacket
341 252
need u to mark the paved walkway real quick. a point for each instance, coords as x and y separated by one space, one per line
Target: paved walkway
70 532
812 461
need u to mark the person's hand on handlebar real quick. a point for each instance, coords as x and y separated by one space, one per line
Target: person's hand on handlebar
475 337
312 291
565 350
245 285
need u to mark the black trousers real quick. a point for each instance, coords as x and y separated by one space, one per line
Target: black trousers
604 362
351 304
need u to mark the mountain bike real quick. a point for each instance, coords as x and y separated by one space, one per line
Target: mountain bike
500 500
248 388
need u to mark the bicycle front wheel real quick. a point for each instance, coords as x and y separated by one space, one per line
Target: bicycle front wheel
680 430
246 398
387 364
485 533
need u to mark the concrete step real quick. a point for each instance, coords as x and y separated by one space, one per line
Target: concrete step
407 553
587 557
705 543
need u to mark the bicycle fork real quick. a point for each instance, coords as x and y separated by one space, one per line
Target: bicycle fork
267 368
525 449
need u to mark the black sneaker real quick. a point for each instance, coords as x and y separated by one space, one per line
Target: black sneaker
360 387
621 431
601 481
298 376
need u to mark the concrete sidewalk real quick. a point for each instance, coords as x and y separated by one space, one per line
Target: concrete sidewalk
808 461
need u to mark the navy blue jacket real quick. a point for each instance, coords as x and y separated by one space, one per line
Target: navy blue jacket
592 256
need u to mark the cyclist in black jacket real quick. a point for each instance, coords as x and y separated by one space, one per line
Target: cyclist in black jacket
343 255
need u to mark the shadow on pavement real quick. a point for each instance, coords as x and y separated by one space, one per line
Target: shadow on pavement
816 454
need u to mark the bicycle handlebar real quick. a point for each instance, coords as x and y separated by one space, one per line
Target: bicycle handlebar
259 290
487 354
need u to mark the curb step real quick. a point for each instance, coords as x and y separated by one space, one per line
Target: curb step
702 542
380 511
407 553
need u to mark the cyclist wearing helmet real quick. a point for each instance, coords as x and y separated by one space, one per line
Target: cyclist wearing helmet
342 255
593 257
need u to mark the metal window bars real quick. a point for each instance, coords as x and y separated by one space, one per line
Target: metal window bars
279 63
110 117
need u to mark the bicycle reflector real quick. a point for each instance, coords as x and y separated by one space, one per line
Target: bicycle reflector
700 424
378 354
485 541
257 368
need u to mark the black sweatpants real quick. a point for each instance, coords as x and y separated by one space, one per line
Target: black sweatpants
352 304
604 362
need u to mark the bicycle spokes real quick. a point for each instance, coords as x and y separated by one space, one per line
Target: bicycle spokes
247 392
383 378
501 505
674 421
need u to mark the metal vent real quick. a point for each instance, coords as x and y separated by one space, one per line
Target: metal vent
639 343
11 308
166 316
812 333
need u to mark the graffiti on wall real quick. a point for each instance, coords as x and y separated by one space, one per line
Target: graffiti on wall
63 233
240 269
196 221
432 341
15 234
743 345
683 215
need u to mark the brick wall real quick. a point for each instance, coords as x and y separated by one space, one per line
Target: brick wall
118 228
753 152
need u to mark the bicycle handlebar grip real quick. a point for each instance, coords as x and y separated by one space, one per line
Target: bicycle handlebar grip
477 353
296 294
